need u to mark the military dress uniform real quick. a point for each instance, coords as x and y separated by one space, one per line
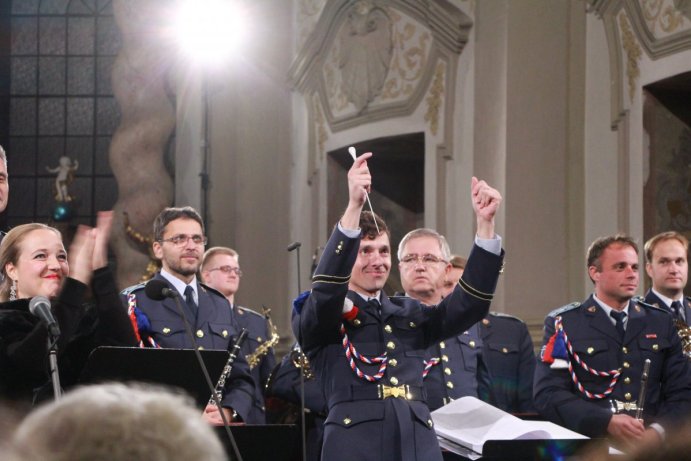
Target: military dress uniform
213 328
509 355
455 369
258 333
649 334
652 298
377 411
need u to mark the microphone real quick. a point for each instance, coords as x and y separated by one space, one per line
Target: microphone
293 246
40 307
158 290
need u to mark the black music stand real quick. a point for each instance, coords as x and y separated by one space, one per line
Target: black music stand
170 367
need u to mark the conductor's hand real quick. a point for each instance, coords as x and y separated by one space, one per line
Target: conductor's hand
102 232
359 182
81 254
486 201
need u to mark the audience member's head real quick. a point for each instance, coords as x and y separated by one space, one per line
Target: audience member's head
116 422
423 256
457 267
667 263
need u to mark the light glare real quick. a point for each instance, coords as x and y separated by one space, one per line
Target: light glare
209 30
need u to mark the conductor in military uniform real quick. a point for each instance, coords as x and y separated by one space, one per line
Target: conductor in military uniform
179 243
368 350
454 366
667 265
589 378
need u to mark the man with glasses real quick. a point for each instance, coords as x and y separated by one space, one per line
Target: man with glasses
179 242
367 349
454 366
221 270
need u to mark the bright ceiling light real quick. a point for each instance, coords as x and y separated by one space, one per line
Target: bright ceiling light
208 31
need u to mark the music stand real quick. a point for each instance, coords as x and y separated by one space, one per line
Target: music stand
170 367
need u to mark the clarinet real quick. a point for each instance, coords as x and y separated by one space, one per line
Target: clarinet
234 351
644 384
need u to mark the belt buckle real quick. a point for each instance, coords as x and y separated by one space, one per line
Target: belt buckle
618 406
401 391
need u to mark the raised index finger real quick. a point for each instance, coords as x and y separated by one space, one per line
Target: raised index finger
359 161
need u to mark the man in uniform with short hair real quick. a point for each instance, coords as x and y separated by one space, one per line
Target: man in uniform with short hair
179 242
220 270
589 378
366 349
667 265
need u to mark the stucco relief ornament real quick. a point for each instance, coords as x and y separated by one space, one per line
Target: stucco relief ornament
64 176
366 49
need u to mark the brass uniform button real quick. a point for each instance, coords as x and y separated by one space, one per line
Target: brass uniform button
388 329
393 380
447 371
430 423
625 350
357 322
200 334
627 396
485 322
166 331
445 358
627 380
390 345
393 362
656 347
259 339
626 364
412 324
442 345
472 344
201 348
224 333
504 350
347 421
449 384
590 350
339 247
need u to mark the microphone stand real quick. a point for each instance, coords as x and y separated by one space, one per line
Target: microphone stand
190 335
303 428
53 365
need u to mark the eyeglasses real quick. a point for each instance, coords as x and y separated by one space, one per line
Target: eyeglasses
426 260
182 239
227 270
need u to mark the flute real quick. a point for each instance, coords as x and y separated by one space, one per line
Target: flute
644 384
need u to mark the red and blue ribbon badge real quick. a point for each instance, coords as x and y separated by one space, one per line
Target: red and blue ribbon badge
554 352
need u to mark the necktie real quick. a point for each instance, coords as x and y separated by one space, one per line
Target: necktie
189 299
619 317
676 310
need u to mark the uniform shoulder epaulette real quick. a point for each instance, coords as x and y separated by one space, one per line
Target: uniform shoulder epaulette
504 316
641 301
211 290
562 309
133 288
247 310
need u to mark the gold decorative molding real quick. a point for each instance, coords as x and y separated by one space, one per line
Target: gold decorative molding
663 14
435 98
633 53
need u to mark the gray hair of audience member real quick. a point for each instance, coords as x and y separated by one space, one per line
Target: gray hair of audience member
3 156
118 423
425 232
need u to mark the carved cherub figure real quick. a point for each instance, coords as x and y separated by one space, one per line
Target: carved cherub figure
65 175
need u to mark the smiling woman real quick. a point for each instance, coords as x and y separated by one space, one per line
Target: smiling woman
33 262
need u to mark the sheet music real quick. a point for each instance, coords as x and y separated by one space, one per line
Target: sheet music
468 423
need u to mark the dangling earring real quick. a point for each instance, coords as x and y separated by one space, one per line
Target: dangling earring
13 291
